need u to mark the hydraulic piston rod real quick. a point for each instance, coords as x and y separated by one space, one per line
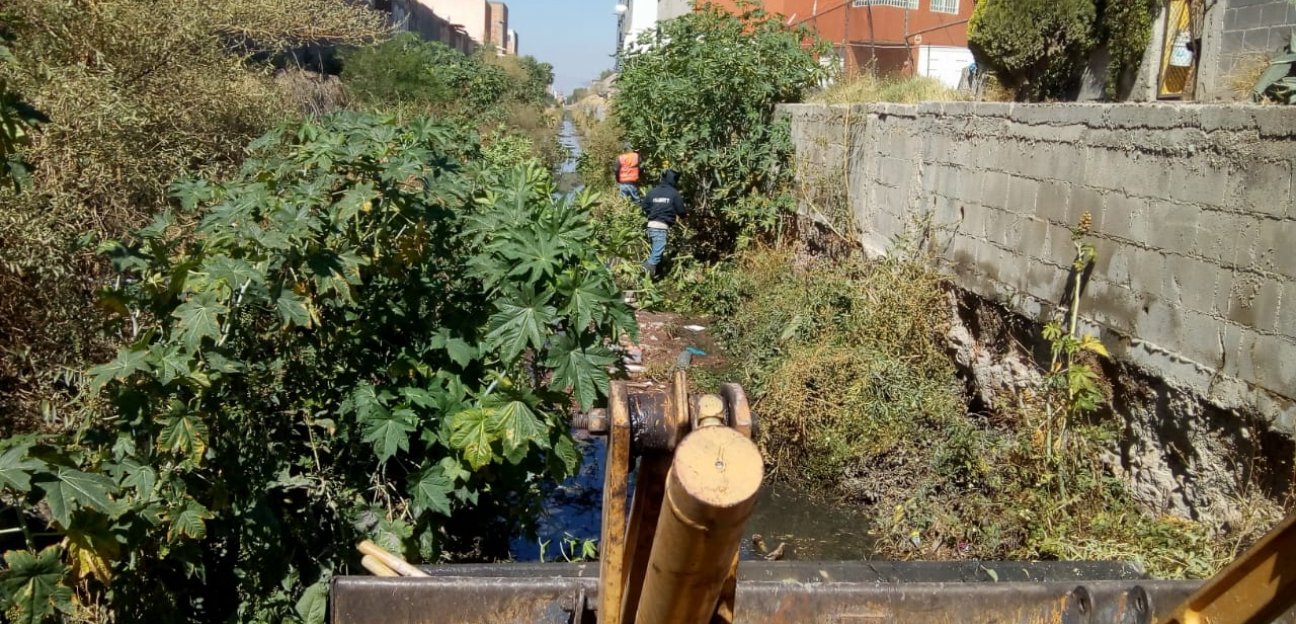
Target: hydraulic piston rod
710 493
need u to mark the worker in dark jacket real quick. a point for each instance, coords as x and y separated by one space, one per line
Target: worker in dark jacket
661 205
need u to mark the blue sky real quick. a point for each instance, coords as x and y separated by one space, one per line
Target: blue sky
576 36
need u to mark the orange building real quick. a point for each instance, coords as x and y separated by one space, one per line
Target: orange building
927 37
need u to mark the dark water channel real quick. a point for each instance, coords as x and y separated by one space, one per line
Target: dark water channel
812 530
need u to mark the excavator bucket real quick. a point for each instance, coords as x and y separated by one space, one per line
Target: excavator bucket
670 555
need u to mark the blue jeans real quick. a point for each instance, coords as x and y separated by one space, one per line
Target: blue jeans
657 237
629 190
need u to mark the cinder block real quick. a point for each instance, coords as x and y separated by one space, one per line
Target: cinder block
1274 359
1116 306
1217 236
1216 117
1034 238
1191 283
1061 250
1173 227
1147 271
1051 202
1021 196
893 171
1287 310
1255 302
1262 187
1085 200
1125 217
1275 122
1201 339
1107 169
1160 324
1256 40
1272 245
1247 17
1014 227
994 189
1045 281
1197 182
1117 262
1225 283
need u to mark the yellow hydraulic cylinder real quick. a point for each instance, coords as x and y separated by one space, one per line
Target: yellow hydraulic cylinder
710 493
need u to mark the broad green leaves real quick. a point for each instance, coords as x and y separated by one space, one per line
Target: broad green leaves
473 435
431 490
520 325
581 369
32 587
190 522
67 490
199 318
16 468
389 432
353 338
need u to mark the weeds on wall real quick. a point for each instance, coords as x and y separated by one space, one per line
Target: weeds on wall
1075 383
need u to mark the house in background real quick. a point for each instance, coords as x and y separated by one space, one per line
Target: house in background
923 37
497 35
464 25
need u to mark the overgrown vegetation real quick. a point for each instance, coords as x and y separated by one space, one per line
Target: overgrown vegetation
846 362
699 97
1037 48
370 325
867 88
136 94
359 337
505 98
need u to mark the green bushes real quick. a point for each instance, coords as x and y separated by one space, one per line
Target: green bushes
357 338
1037 47
698 96
1034 47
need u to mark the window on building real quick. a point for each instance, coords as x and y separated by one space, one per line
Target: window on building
903 4
945 6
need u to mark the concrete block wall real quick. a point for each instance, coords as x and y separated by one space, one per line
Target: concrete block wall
1194 222
1235 29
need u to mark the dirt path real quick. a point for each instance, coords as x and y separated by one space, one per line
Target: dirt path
663 337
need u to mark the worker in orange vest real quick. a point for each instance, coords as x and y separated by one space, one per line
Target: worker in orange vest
627 173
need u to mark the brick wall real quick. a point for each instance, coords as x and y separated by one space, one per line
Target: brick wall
1193 211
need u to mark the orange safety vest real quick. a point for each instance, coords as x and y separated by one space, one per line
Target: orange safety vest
628 168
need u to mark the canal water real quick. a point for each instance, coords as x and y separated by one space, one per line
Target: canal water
810 529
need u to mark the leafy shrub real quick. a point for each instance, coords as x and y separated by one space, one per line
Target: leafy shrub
358 338
1126 27
1035 47
698 95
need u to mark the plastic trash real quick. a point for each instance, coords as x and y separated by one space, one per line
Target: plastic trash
696 351
694 328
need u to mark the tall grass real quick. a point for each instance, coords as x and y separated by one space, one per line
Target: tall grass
868 88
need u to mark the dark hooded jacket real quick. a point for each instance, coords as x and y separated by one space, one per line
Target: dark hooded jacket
663 203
